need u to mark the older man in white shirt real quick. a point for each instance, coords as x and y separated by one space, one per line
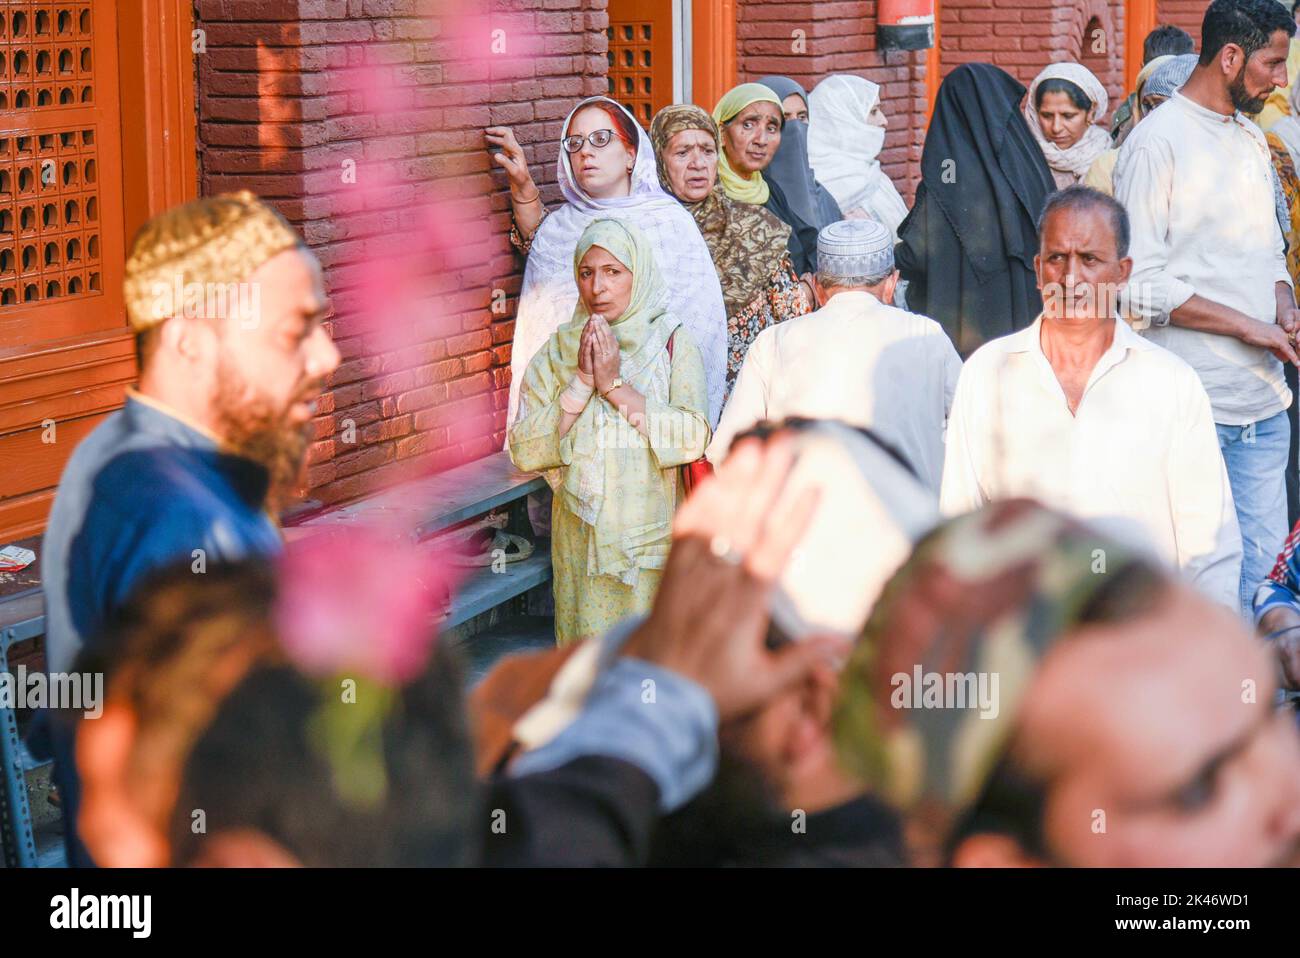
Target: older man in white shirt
1209 260
855 359
1082 413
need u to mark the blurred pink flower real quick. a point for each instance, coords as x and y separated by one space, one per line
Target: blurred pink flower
428 275
362 600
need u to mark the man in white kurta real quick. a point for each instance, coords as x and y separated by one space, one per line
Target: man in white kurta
855 359
1085 415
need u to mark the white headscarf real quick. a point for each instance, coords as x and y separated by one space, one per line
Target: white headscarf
843 149
1070 166
550 293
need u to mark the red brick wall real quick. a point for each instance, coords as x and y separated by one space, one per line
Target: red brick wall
1183 13
279 112
280 109
839 38
1023 36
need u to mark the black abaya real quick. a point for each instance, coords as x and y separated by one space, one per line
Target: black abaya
967 248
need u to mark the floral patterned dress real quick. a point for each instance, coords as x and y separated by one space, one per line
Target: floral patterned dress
783 298
1286 174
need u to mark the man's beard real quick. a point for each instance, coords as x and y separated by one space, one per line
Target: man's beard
252 427
1241 100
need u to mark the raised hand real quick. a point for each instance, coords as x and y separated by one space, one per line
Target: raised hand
511 159
731 540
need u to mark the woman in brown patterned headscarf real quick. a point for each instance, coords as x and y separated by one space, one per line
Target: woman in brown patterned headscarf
748 244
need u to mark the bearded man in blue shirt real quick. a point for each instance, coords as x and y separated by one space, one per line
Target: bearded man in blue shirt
226 303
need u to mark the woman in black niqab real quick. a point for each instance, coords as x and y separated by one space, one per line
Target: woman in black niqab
967 248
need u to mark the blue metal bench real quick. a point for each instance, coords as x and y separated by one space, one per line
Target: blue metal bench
23 619
436 503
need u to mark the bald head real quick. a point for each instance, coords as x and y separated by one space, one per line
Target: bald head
1076 200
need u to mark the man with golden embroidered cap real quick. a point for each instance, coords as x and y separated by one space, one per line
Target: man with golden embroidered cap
226 303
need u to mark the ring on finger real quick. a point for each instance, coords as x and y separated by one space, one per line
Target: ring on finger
722 549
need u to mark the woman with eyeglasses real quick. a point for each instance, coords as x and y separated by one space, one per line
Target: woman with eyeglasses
606 168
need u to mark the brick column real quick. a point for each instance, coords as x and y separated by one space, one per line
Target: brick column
282 108
1187 14
1023 36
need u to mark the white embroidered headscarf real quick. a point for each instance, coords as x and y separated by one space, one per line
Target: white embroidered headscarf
1070 166
550 292
844 149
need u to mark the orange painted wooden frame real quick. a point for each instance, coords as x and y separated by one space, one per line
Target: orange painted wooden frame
155 38
41 321
79 380
627 79
1139 20
713 50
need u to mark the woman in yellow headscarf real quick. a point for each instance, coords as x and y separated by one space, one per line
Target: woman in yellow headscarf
753 128
751 121
609 411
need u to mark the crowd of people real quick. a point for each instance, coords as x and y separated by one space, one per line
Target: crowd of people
944 535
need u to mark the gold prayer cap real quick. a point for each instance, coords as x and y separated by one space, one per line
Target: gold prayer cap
219 239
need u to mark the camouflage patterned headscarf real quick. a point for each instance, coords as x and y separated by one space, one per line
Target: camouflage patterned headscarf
984 594
747 243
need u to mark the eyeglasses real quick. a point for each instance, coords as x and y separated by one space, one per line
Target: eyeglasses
599 139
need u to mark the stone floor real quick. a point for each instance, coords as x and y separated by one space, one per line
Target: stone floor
520 633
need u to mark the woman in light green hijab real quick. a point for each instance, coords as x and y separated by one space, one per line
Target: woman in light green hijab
610 409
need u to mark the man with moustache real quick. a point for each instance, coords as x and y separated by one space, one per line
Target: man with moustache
1209 257
208 445
1080 411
